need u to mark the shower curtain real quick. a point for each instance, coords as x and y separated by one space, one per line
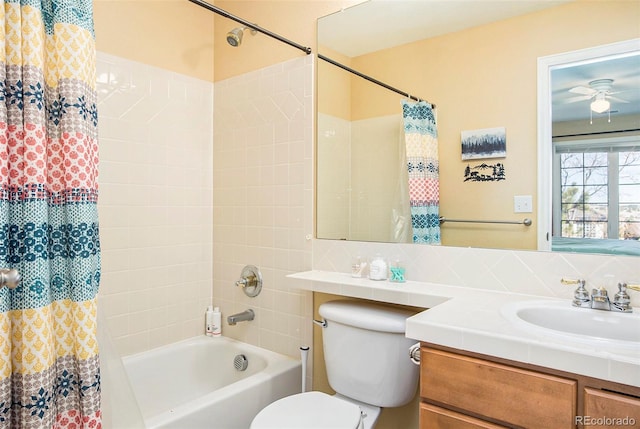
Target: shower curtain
49 367
422 165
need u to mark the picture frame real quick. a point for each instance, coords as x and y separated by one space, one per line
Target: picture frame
484 143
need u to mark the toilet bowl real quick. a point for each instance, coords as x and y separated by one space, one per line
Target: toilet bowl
367 364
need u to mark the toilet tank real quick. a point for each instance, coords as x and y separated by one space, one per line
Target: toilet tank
366 353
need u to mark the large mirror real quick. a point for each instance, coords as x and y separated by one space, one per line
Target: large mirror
476 61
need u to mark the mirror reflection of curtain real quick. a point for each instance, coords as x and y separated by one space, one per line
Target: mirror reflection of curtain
401 230
421 143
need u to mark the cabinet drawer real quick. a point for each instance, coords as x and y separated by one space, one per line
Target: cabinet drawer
609 409
520 397
432 417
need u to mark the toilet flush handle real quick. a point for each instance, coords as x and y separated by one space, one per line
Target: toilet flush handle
321 323
414 353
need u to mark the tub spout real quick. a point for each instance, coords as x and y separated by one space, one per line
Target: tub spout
246 315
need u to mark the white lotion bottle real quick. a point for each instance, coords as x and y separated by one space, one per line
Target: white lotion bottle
217 322
208 321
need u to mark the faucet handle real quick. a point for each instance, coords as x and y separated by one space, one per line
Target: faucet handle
564 281
622 301
250 281
580 295
632 287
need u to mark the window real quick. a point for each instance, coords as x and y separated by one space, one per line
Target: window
598 191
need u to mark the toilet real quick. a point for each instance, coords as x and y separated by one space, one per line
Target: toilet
367 359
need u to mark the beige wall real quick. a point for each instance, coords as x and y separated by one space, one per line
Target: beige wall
175 35
485 77
294 20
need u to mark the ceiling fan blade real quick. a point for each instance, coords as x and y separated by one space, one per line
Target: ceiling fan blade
583 90
575 99
617 99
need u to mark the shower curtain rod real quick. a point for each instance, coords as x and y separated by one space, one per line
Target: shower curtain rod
247 24
370 79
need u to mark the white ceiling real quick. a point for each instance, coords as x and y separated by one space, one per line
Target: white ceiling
379 24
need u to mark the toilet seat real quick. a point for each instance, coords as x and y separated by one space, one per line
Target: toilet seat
309 410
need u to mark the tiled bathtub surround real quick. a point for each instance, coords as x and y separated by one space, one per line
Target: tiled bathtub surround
262 200
525 272
155 202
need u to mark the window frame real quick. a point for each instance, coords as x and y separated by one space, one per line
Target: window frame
610 145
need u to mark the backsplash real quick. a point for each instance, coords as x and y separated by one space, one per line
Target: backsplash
155 203
516 271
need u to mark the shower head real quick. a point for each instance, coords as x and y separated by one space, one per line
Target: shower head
234 37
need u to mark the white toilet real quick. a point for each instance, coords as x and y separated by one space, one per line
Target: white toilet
367 360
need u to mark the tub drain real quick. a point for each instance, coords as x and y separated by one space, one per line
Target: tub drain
240 362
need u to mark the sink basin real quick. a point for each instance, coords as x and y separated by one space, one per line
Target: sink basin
581 324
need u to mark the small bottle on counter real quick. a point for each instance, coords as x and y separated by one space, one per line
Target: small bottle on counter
358 267
378 268
397 272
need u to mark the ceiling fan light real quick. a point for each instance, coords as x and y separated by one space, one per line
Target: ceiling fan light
600 105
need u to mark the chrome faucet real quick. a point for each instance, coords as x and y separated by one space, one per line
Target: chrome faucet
621 300
599 299
581 297
246 315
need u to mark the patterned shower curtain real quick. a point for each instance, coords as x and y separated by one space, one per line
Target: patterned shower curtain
49 366
422 164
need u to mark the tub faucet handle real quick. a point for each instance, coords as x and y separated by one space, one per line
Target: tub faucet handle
250 281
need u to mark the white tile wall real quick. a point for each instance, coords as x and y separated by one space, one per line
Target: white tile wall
526 272
155 205
263 211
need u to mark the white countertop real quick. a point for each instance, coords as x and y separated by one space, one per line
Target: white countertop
475 320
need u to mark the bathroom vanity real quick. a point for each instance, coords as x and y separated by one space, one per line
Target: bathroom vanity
483 366
467 390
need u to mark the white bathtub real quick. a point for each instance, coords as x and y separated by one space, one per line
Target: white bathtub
193 384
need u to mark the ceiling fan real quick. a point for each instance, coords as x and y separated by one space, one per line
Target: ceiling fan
599 91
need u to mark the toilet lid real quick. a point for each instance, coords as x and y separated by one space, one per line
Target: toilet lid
309 410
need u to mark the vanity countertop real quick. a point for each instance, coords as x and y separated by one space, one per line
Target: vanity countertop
475 320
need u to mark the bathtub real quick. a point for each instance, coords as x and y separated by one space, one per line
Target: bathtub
195 384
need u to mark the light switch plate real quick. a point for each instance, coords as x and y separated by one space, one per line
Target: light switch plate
522 204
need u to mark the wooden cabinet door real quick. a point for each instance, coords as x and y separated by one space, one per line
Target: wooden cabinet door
609 409
432 417
499 392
